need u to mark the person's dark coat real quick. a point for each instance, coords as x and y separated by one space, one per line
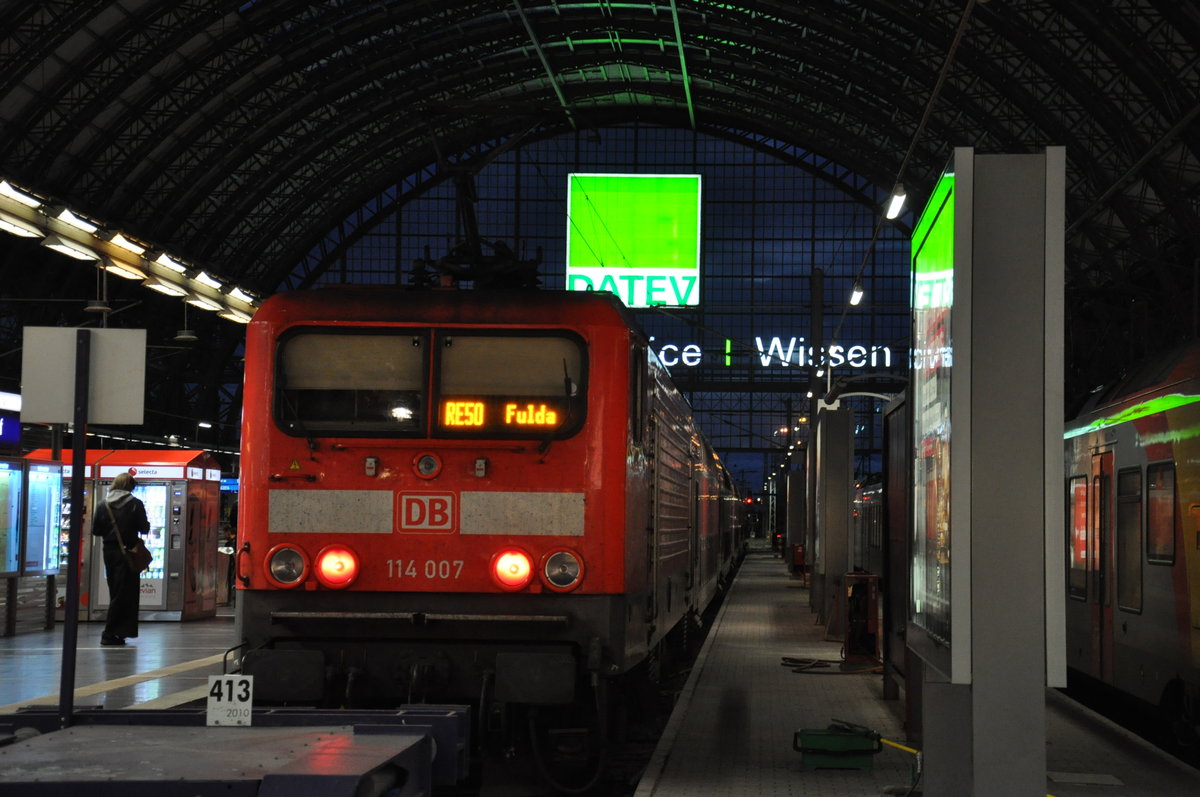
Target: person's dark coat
124 584
130 514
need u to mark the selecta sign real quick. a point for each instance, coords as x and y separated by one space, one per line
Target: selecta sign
635 235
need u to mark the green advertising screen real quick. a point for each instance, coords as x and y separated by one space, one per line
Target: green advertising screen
932 363
635 235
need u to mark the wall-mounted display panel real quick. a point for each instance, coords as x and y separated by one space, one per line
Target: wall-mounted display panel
635 235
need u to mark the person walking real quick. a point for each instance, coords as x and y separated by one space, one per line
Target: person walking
126 513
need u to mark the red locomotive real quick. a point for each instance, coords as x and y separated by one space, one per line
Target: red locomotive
468 496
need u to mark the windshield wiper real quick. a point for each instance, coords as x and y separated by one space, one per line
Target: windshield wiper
568 388
297 421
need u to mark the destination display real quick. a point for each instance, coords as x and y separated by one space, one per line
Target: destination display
502 416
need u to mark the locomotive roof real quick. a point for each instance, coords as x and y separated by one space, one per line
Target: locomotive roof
446 306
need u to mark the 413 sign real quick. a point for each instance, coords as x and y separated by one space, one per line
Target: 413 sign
230 699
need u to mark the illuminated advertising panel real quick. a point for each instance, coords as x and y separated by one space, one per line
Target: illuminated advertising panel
43 521
635 235
933 266
11 492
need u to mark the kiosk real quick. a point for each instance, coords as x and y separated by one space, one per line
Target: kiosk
180 489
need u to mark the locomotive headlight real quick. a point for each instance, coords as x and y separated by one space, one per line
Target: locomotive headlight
562 570
512 569
286 566
426 466
337 566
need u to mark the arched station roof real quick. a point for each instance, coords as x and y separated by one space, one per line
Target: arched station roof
238 134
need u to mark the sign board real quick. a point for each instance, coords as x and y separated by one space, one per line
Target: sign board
143 472
117 369
635 235
230 700
10 428
987 287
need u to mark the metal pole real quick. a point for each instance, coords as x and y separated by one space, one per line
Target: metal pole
66 695
816 336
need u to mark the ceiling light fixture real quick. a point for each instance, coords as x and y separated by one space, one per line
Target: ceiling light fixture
166 261
896 203
205 279
229 314
78 222
856 293
12 192
69 248
165 288
11 224
117 239
124 270
185 335
204 303
100 303
237 293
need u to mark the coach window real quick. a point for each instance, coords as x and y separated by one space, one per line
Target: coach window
639 386
509 386
1077 537
1129 539
1160 513
351 383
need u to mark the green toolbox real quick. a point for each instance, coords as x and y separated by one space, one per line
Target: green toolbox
837 747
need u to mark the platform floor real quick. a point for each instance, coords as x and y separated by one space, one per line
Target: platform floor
166 666
731 733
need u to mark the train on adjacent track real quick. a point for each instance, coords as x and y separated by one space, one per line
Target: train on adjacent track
1131 535
484 497
1132 532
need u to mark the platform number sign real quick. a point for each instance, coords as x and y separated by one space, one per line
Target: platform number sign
230 699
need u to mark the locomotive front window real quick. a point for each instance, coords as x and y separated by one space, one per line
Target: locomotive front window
352 383
509 386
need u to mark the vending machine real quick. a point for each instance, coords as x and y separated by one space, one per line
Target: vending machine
180 490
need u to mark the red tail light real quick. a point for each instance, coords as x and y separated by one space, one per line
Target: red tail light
512 569
337 566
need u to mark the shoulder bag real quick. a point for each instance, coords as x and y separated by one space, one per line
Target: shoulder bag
139 556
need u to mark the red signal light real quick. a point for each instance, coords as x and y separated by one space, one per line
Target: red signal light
337 566
512 569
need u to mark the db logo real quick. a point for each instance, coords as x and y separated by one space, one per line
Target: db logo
427 512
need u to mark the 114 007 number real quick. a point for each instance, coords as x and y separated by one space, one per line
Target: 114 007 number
430 568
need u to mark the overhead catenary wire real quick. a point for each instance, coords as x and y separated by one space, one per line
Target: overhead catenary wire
943 73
